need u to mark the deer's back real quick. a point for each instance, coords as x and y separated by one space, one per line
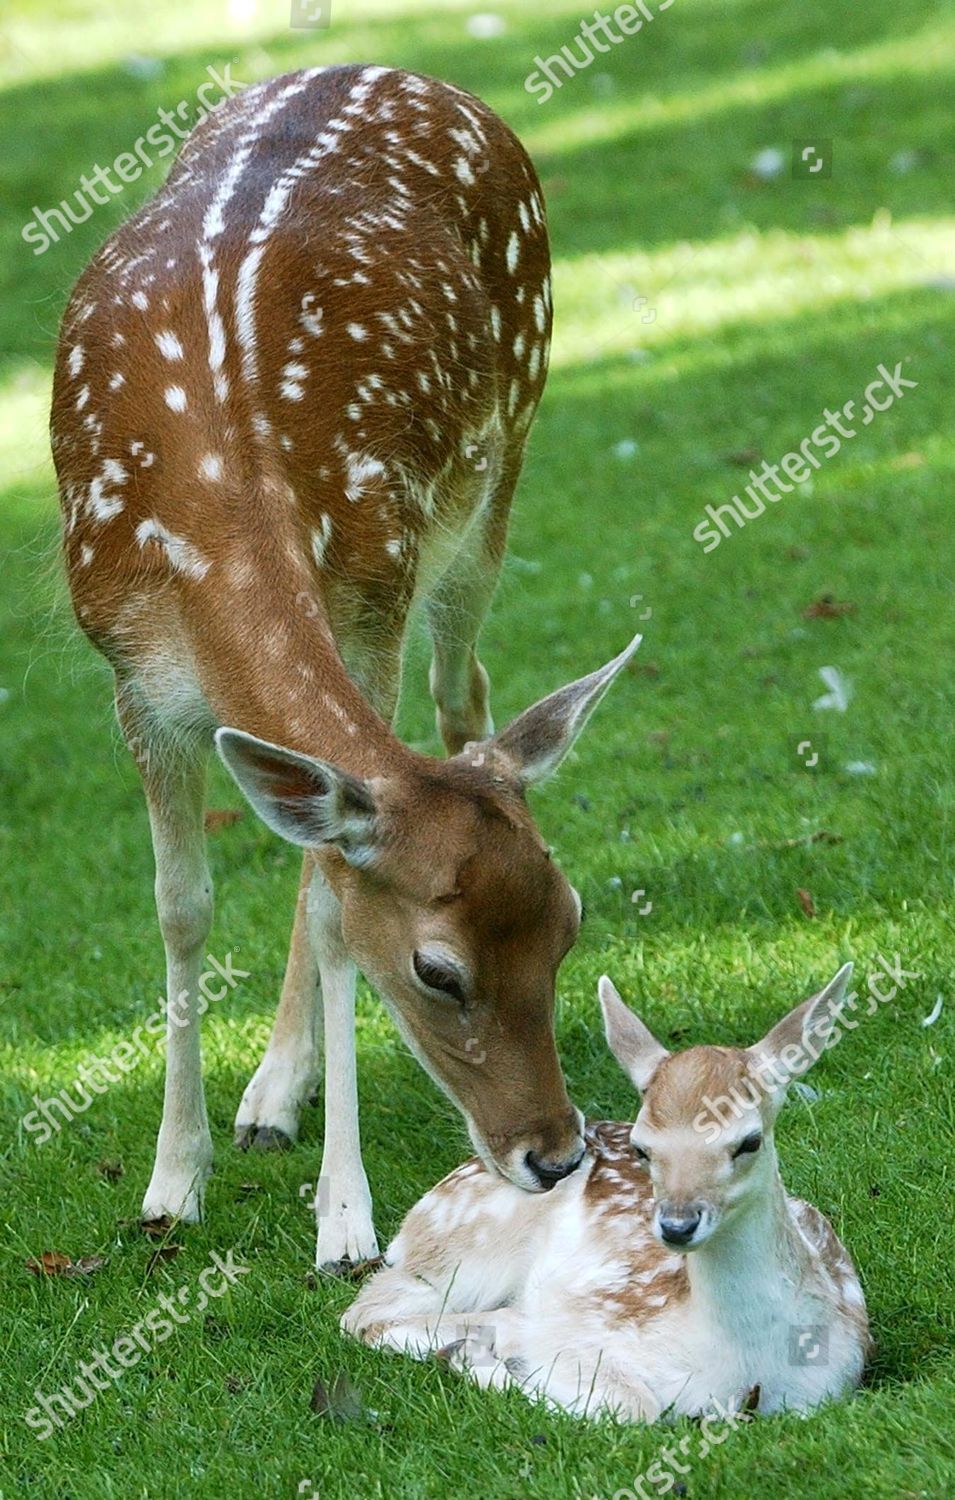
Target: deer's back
327 331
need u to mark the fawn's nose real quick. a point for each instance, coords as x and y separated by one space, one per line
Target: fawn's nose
679 1228
549 1173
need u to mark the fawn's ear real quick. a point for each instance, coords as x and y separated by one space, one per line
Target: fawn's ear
304 800
795 1042
635 1047
534 744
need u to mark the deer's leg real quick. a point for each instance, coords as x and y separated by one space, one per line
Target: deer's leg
175 796
459 684
586 1381
403 1309
268 1116
343 1201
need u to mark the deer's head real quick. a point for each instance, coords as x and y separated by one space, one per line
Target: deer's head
705 1127
452 907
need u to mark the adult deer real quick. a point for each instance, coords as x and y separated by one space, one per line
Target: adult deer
292 396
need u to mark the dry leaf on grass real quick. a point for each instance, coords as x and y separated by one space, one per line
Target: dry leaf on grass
160 1256
828 608
112 1170
50 1263
55 1263
340 1401
806 902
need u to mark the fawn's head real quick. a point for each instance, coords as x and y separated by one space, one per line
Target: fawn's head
705 1126
453 909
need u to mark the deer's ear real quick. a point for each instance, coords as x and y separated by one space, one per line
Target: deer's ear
635 1047
795 1043
534 744
304 800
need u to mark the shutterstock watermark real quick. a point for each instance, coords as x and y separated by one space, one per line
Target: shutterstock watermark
544 82
663 1474
310 15
172 127
828 438
97 1372
795 1058
96 1074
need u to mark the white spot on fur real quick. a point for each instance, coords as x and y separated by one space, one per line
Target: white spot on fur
104 505
359 469
168 345
181 555
311 316
210 466
76 359
320 540
175 398
513 251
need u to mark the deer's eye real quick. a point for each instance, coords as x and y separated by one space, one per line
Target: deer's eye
749 1144
439 976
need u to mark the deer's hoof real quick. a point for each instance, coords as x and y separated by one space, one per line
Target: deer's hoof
262 1138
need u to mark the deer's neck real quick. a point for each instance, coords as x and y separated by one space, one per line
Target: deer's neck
269 663
745 1278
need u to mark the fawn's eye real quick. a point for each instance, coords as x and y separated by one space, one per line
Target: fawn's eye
439 975
748 1144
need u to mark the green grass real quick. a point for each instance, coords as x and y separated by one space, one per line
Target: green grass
772 300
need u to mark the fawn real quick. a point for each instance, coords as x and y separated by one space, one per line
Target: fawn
670 1274
292 398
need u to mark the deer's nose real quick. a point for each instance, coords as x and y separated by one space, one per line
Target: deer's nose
548 1173
679 1229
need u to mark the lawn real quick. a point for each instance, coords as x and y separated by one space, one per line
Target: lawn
710 306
